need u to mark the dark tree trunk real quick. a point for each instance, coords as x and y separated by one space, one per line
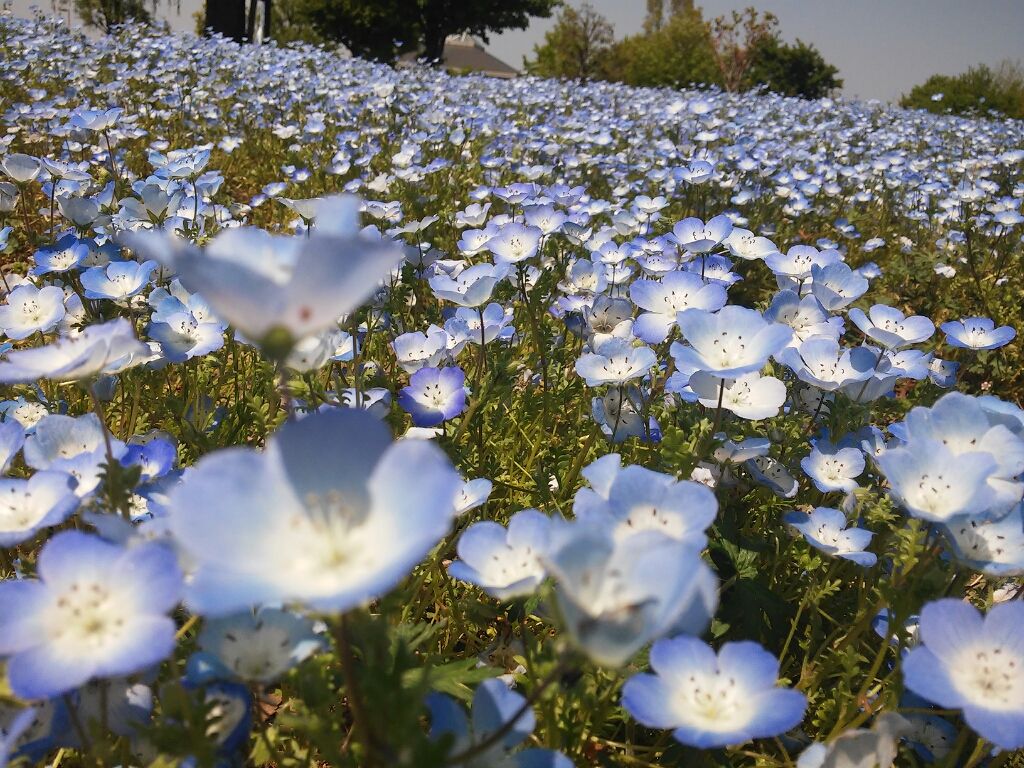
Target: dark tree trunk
433 45
268 11
226 17
250 22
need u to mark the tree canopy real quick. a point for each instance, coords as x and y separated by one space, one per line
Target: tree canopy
979 90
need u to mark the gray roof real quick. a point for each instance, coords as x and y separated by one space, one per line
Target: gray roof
464 54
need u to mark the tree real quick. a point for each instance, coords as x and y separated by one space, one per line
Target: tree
381 29
677 55
226 17
734 41
792 70
107 14
978 90
577 46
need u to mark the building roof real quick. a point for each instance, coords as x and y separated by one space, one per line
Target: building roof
463 53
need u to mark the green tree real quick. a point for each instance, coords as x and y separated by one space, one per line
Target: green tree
577 46
106 14
381 29
977 90
735 39
677 55
792 70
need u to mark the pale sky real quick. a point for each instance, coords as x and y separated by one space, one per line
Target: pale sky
881 47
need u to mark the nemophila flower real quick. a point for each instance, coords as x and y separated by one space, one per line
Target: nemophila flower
963 427
663 300
799 260
936 484
28 506
102 349
713 700
259 646
943 373
30 310
826 529
823 363
615 361
514 242
994 547
229 704
464 327
750 396
504 563
434 395
744 244
19 168
804 315
697 237
65 255
154 458
584 277
977 333
417 350
727 343
890 327
118 280
24 412
773 474
97 610
472 287
856 747
832 468
632 499
31 732
12 438
620 413
473 494
473 215
972 662
836 285
262 283
608 317
316 502
546 218
616 594
182 336
83 212
494 707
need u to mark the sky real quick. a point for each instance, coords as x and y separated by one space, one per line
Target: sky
881 47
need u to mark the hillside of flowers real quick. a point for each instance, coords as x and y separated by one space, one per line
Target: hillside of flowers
355 416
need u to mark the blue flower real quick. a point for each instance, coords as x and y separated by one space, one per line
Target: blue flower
826 529
833 468
12 438
100 349
97 610
615 594
697 237
663 300
66 254
977 333
27 506
504 563
728 343
972 662
836 285
994 547
890 327
30 310
434 395
342 512
155 457
713 700
118 280
261 646
615 361
823 363
628 500
494 707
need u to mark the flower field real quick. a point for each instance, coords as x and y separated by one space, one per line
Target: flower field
360 416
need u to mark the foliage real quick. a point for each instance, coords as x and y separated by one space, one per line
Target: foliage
106 14
736 40
796 69
143 132
576 47
383 30
979 90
